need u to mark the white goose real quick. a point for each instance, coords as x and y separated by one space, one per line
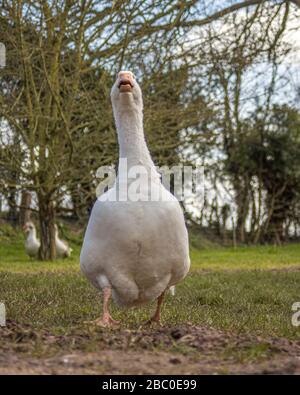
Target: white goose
32 244
134 248
62 248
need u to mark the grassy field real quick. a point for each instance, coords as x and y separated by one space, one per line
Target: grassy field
246 291
14 259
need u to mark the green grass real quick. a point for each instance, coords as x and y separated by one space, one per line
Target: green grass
252 302
14 259
250 353
247 258
235 291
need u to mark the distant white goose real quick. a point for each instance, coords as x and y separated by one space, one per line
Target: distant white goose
32 244
134 249
62 248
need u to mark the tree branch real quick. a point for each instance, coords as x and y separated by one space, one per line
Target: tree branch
296 2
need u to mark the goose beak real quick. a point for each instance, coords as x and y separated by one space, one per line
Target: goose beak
125 81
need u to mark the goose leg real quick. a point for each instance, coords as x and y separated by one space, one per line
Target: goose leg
106 320
156 317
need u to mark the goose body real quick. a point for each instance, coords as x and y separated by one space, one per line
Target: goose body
62 248
134 247
138 249
32 244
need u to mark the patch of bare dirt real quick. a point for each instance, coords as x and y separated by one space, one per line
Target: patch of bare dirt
186 349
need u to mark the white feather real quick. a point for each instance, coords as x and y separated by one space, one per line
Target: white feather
32 244
139 248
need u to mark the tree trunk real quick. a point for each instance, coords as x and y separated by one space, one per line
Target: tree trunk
233 233
275 229
12 204
296 2
47 232
25 212
242 202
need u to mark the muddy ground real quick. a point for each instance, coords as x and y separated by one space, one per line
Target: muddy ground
185 349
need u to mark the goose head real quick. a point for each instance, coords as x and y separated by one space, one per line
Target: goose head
29 228
126 93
